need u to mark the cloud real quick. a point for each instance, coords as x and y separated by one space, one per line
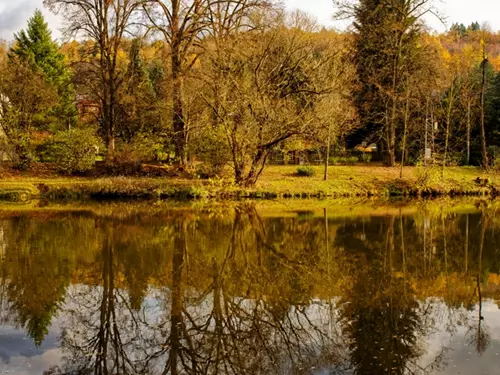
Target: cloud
14 15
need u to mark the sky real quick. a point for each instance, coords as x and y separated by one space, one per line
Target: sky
14 13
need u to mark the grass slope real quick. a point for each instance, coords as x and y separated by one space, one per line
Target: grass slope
275 182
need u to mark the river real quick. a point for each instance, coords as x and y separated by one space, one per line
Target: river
349 287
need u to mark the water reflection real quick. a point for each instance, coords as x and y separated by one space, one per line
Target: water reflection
124 290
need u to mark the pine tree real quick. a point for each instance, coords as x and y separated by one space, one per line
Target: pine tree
36 47
137 98
385 41
474 26
459 29
371 47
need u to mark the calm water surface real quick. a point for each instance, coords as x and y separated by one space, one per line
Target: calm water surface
161 289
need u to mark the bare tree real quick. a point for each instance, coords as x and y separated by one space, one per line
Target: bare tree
484 152
183 24
277 82
105 23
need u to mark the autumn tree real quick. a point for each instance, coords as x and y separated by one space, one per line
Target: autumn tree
180 24
104 23
25 96
335 113
35 47
469 100
493 110
484 62
139 110
183 24
275 80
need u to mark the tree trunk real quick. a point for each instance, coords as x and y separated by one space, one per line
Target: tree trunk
238 174
112 114
110 144
107 126
448 125
391 154
391 141
178 123
483 132
178 120
327 155
389 157
405 132
468 130
426 132
258 164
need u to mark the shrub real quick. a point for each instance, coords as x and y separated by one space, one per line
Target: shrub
427 176
334 160
352 160
142 147
494 155
366 157
210 147
75 150
305 171
24 152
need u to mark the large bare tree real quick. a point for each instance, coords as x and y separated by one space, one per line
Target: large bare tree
105 23
267 86
183 24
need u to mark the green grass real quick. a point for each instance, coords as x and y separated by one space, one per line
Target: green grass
276 182
374 180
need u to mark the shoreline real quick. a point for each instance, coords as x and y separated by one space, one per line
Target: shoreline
162 189
277 182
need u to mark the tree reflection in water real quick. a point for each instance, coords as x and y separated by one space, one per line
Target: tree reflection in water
230 291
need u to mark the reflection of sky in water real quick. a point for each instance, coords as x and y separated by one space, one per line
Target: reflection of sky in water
462 358
18 354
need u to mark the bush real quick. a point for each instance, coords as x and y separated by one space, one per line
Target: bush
24 152
352 160
494 155
305 171
334 160
75 150
366 157
210 147
348 160
427 176
142 147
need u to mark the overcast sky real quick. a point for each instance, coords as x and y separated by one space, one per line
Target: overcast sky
14 13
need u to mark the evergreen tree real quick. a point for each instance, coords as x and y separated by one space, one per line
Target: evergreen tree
386 39
136 109
36 47
371 47
459 28
493 110
474 26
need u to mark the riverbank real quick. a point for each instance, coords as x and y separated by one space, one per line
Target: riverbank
275 182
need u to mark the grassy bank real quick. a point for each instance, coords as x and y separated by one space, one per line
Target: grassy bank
276 182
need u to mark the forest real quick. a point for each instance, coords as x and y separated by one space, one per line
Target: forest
219 87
